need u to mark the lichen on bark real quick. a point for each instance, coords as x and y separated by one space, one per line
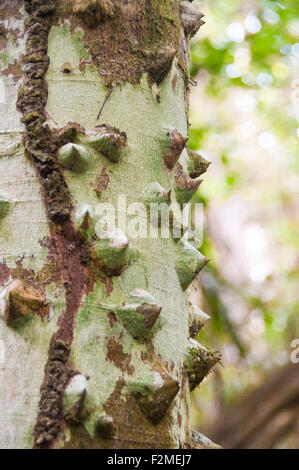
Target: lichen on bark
76 52
147 44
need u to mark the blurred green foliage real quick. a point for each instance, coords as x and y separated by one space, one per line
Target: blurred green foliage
270 41
245 119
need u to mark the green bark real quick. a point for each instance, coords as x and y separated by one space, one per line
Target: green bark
78 375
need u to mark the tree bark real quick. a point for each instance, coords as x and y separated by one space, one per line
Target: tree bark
94 105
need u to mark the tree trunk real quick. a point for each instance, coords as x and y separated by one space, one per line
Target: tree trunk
94 328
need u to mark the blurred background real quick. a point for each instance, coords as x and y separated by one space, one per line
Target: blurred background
244 107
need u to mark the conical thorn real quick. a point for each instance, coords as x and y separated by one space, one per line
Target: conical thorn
198 362
74 157
155 398
197 320
108 140
173 144
189 263
17 300
185 186
105 427
191 19
196 165
73 398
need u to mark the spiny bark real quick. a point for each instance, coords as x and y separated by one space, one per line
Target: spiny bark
114 362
